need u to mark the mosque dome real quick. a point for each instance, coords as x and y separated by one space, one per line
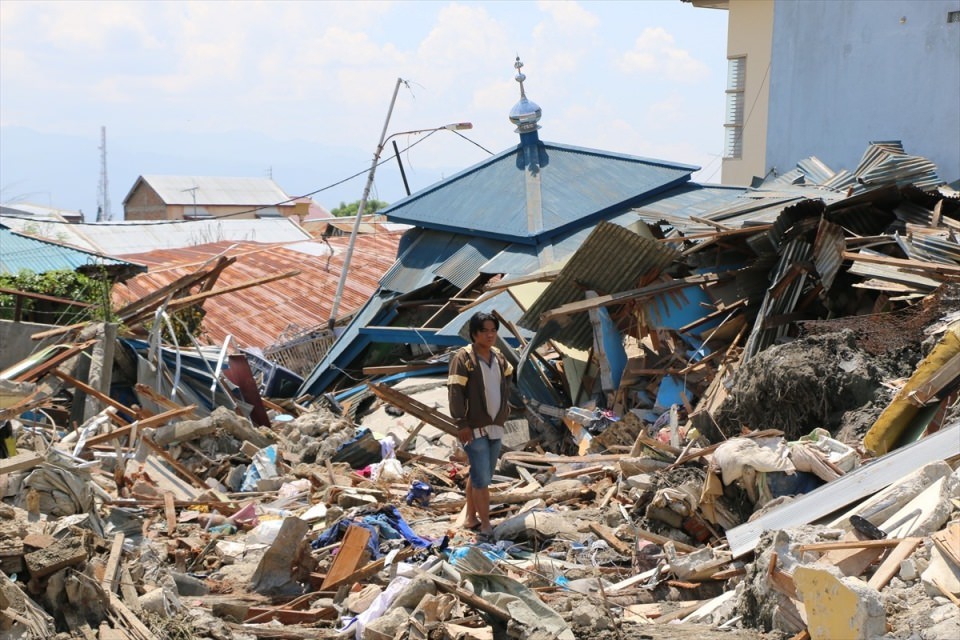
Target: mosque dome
526 113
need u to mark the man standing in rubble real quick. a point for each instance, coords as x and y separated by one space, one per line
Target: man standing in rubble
478 390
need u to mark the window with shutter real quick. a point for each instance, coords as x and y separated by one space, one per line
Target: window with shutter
736 81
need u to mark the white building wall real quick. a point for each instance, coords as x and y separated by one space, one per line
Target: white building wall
847 73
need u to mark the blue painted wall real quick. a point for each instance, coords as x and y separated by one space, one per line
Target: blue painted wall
846 73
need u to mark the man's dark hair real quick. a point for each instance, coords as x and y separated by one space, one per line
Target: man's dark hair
478 319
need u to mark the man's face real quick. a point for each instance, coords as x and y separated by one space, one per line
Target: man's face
487 335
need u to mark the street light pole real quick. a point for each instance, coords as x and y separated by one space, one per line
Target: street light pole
366 195
363 204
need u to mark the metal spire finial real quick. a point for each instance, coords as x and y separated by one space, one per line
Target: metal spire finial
526 113
520 76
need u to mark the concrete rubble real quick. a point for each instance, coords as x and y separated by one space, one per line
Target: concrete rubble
698 489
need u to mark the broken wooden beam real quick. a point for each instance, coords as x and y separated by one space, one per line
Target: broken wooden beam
415 408
22 461
109 582
147 423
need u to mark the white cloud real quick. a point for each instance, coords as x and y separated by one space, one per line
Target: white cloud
655 52
566 16
463 38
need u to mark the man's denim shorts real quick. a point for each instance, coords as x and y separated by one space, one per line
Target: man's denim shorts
482 453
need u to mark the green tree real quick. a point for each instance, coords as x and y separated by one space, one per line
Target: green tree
372 206
64 284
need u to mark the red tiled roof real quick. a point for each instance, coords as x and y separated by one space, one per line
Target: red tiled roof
256 316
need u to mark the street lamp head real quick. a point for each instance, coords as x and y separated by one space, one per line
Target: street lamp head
458 126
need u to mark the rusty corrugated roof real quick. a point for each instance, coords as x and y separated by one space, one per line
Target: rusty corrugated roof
257 316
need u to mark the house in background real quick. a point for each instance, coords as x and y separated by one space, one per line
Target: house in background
40 212
204 197
825 78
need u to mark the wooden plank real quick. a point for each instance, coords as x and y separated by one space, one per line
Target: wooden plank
141 630
853 560
470 598
156 297
857 484
945 591
352 547
21 462
649 291
891 565
147 423
102 397
913 265
945 375
53 361
290 616
161 400
400 368
179 468
129 592
607 534
850 544
109 582
650 536
948 541
170 512
370 569
415 408
179 303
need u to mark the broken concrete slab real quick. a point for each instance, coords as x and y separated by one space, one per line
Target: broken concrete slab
273 575
538 525
941 575
857 484
66 552
927 512
839 607
885 503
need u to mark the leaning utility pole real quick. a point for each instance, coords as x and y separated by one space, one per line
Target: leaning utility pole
103 196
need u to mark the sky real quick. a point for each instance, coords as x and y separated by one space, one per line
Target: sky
300 91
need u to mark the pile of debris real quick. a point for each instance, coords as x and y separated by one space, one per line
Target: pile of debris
744 423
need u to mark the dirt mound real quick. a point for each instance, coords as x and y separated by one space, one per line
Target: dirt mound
817 381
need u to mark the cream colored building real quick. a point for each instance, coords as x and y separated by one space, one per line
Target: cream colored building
826 78
203 197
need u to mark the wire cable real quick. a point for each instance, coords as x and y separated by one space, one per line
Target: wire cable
335 184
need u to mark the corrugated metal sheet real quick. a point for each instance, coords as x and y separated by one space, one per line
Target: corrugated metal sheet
889 273
258 316
828 251
213 190
779 302
463 266
490 199
814 170
887 163
503 303
135 237
687 200
21 253
415 266
914 213
920 246
611 259
514 260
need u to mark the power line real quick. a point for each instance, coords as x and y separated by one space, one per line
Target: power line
335 184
